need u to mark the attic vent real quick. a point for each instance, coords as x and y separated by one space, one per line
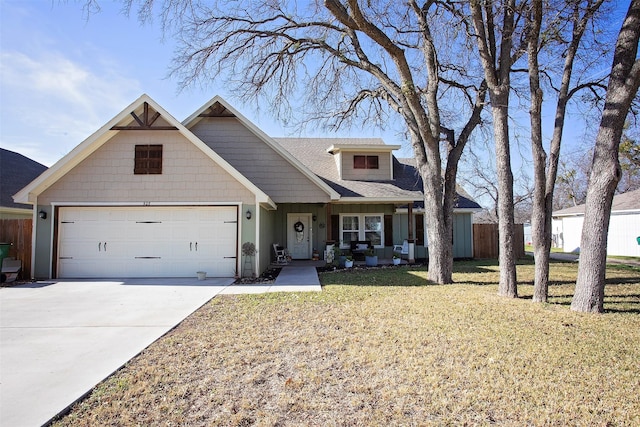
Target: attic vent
217 110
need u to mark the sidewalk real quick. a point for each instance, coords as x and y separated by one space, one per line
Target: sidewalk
563 256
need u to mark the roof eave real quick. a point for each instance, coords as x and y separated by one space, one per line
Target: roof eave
381 148
394 200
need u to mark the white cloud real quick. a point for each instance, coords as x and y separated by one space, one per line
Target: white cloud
51 103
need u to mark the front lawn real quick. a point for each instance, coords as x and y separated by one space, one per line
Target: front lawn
383 348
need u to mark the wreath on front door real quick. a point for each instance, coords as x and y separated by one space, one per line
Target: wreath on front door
298 227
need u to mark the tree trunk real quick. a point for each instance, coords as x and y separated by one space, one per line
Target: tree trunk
439 233
506 225
605 172
440 250
546 170
497 69
538 229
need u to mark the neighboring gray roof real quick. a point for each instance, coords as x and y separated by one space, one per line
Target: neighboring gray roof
16 171
628 201
312 152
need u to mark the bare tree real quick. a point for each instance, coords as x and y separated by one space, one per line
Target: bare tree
479 177
348 62
623 85
571 183
574 170
629 156
495 24
546 169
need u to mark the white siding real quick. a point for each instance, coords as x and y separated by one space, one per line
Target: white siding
188 175
623 232
571 232
624 229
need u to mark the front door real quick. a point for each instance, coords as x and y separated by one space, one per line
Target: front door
299 238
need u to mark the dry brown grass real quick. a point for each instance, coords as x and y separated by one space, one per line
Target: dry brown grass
391 350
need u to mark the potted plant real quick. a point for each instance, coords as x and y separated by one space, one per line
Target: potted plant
370 258
348 263
338 256
396 258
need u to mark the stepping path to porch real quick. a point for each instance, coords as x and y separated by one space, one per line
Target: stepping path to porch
292 278
305 277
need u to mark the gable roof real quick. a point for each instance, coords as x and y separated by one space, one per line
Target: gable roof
405 187
218 107
625 202
138 111
16 171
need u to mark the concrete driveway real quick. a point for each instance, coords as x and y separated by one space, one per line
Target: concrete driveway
58 340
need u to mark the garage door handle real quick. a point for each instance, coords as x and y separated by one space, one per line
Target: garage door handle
196 246
105 246
190 246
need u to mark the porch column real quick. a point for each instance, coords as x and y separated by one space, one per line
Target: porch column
330 236
411 239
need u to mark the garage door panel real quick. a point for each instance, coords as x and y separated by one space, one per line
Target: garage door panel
147 242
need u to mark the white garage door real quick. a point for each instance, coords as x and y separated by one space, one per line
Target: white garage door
154 241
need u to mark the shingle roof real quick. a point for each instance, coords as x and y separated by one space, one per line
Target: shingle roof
628 201
16 171
312 152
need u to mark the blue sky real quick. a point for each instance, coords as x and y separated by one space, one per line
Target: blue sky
63 77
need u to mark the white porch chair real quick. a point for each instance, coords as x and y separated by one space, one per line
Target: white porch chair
281 254
402 249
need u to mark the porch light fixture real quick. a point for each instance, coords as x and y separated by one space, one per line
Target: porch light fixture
248 214
42 215
315 218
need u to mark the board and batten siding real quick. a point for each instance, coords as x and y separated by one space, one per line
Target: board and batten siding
462 235
257 161
188 175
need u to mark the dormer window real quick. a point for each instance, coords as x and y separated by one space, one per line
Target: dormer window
365 162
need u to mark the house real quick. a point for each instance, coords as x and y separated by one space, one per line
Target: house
16 171
624 226
148 196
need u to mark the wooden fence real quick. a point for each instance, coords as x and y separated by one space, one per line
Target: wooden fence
18 232
486 242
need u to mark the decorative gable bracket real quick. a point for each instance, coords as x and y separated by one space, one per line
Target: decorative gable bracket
146 122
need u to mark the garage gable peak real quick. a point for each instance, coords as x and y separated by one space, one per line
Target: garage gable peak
143 114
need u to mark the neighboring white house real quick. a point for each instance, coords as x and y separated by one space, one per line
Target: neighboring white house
624 226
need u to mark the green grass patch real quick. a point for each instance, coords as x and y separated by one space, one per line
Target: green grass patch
529 248
384 347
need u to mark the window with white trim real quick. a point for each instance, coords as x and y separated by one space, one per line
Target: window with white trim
362 227
349 229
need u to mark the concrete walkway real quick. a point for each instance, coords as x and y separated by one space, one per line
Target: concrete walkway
58 340
292 278
565 256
